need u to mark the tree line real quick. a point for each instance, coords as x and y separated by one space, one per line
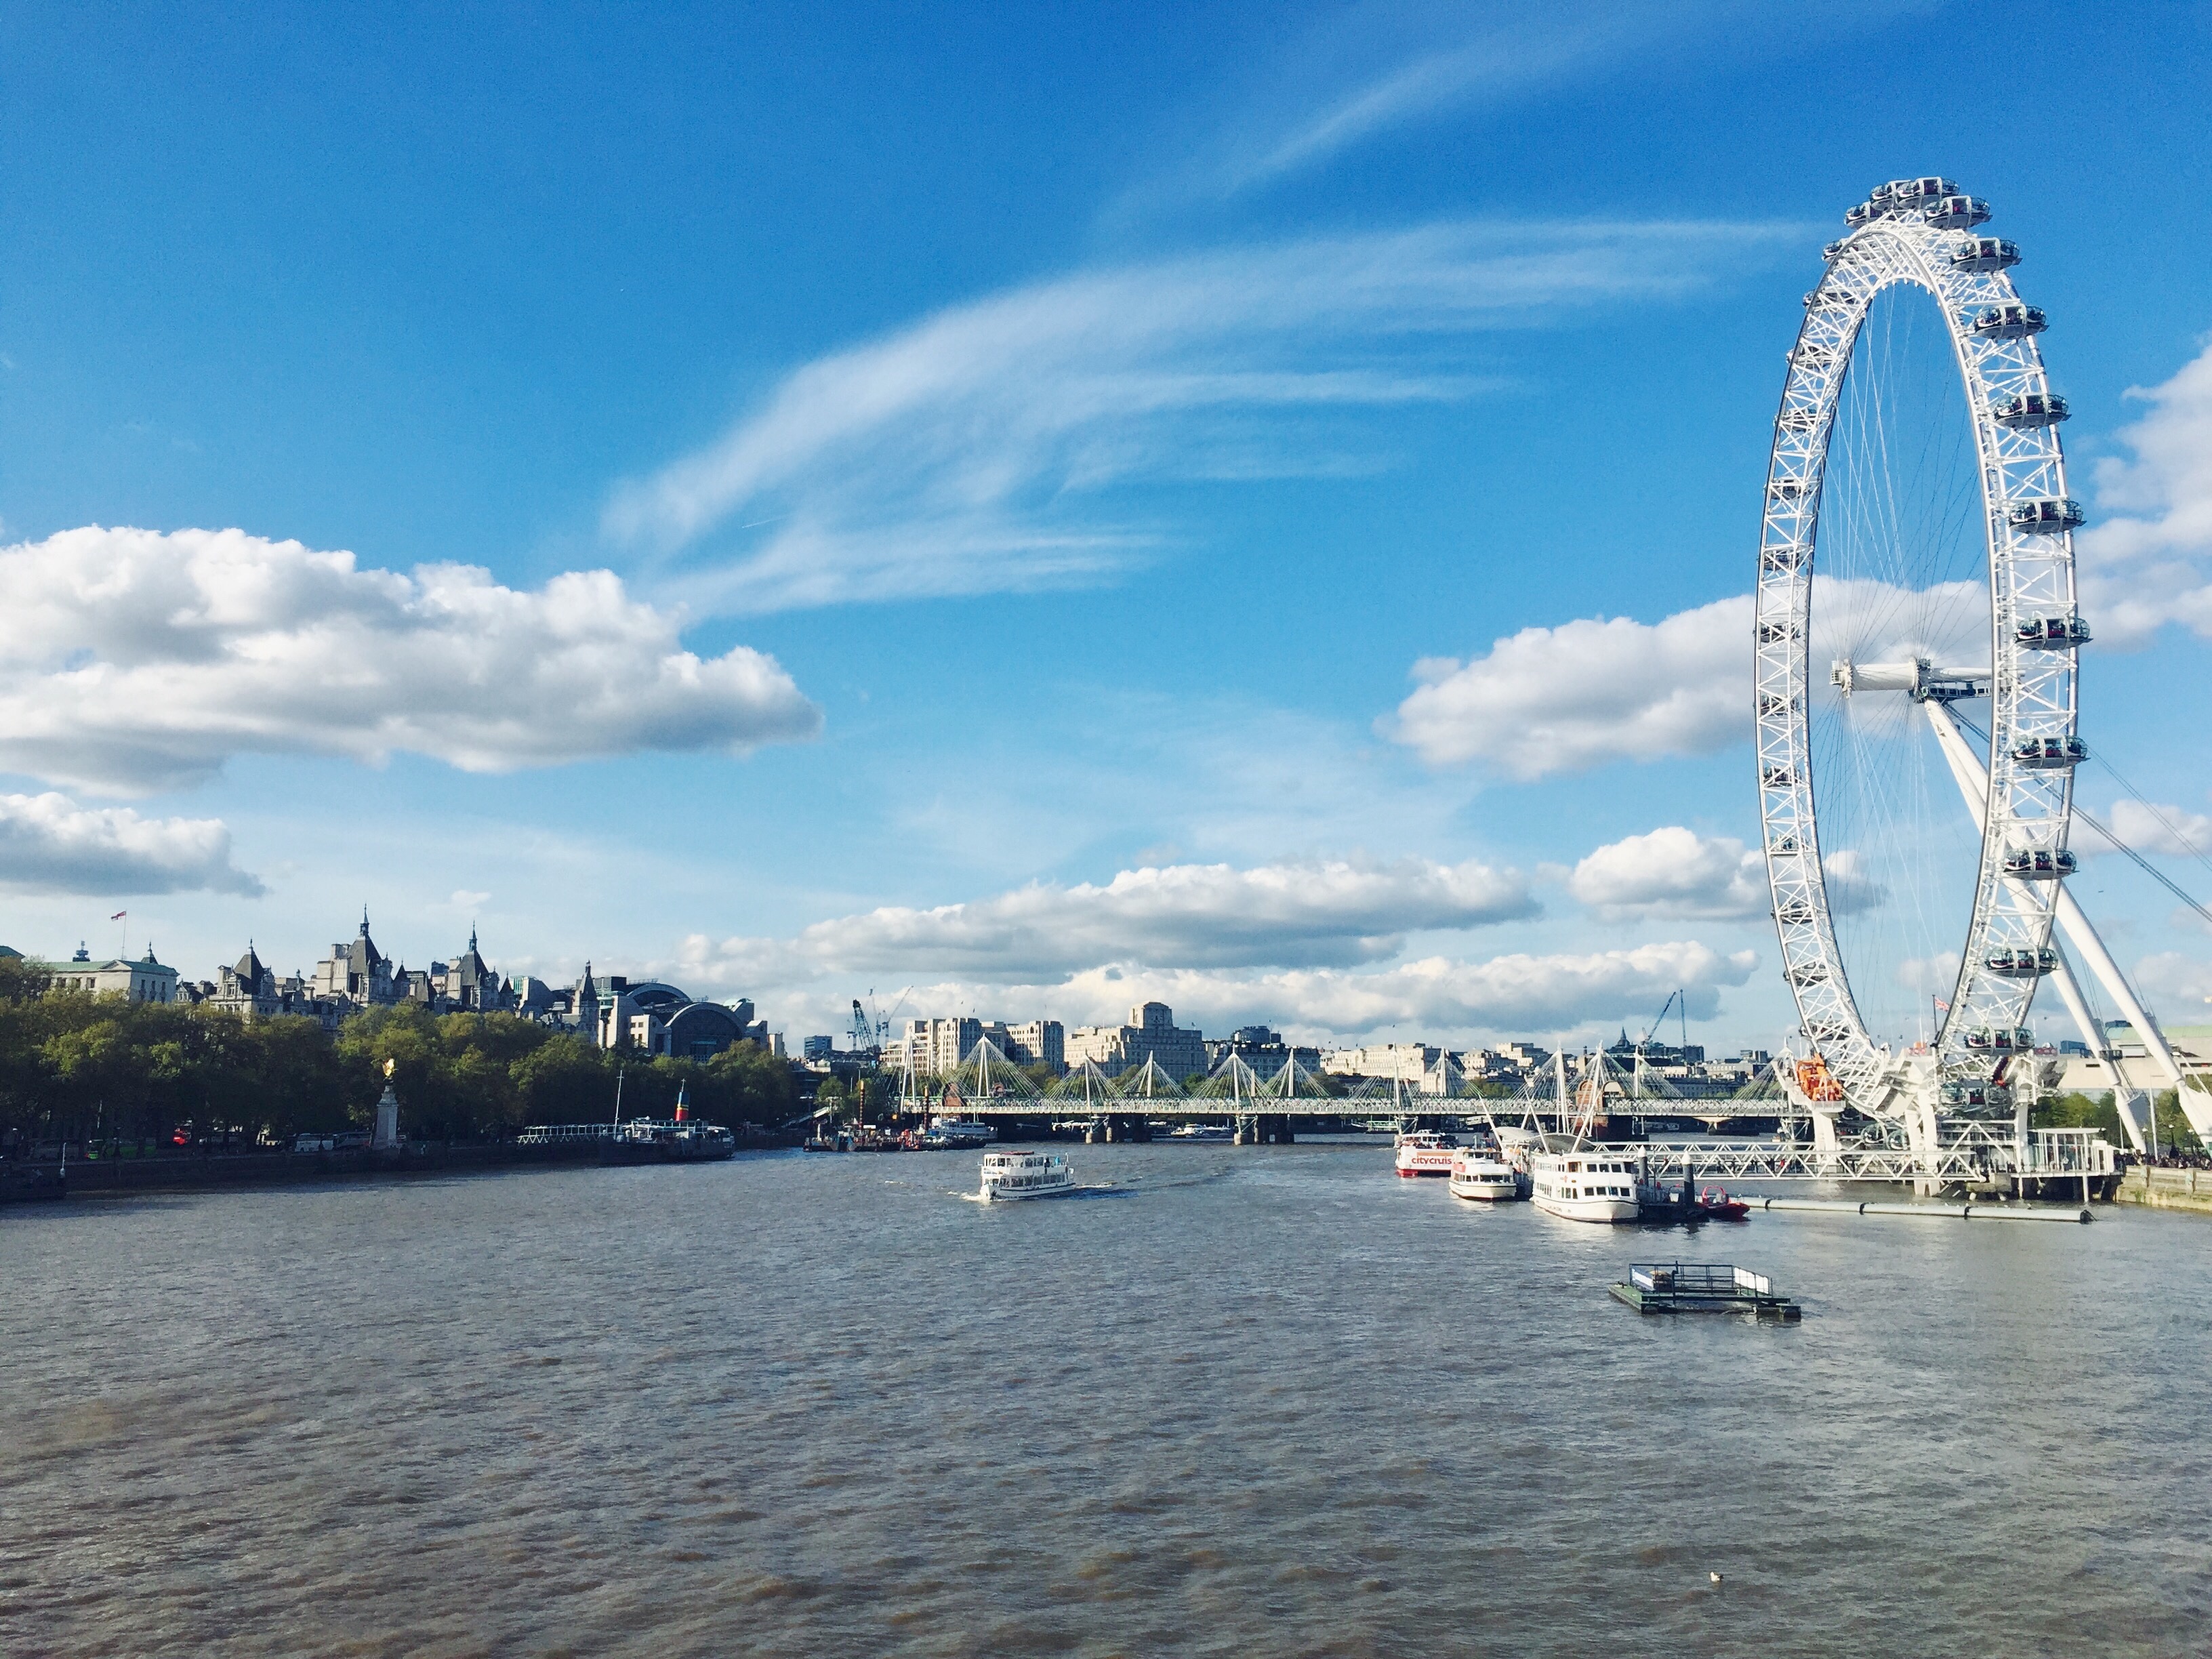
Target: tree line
99 1069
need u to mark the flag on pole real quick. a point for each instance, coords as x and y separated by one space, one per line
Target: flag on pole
119 915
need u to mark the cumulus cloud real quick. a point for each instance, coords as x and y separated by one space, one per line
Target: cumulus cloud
2149 562
1568 698
1565 699
1676 873
977 449
1673 872
1851 886
132 660
2177 986
1505 995
1309 914
2168 830
50 844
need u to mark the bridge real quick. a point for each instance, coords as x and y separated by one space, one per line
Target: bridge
1806 1146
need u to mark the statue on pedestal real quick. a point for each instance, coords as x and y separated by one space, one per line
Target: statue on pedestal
387 1138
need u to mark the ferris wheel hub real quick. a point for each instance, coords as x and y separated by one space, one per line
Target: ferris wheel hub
1920 680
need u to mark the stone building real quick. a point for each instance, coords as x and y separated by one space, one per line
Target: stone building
653 1017
144 980
1421 1066
467 985
1038 1040
1151 1034
357 973
252 990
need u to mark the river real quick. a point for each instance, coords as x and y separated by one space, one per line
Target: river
1259 1400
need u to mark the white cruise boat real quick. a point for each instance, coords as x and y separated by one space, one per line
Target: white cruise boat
1426 1152
1009 1176
964 1128
1584 1184
1482 1173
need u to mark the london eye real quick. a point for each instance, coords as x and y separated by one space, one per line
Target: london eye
1916 699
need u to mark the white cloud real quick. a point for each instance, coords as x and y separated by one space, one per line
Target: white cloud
977 449
132 659
1363 72
50 844
1332 913
1851 887
1673 872
1521 992
2178 988
1676 873
1565 699
1930 976
1500 63
1452 1000
2151 562
2167 829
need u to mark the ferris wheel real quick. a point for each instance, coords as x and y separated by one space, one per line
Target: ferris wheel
1917 700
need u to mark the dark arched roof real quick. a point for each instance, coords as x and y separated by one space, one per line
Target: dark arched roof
654 996
698 1024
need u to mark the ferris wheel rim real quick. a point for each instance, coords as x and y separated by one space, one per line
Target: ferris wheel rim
1909 233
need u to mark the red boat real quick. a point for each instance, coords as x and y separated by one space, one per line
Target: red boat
1715 1205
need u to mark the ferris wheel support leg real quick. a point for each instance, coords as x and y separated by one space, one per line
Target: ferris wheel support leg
2125 1099
1973 783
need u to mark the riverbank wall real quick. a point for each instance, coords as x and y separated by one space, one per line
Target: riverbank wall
218 1171
2165 1189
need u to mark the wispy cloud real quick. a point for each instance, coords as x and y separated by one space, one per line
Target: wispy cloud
1366 72
1497 64
980 448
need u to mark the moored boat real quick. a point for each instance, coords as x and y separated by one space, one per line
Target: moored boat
1716 1203
1009 1176
958 1129
1426 1152
1584 1184
1479 1172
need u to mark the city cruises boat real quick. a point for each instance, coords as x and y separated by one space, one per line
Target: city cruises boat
1478 1172
964 1128
1025 1175
1584 1184
1426 1152
1200 1131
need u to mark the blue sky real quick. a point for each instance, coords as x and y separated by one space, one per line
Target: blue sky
1036 459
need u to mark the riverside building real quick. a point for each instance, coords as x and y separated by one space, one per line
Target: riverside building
1151 1034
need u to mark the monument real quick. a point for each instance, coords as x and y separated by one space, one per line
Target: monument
387 1138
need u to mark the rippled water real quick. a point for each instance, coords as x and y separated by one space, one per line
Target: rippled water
1252 1401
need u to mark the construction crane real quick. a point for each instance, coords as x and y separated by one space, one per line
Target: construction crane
871 1030
1676 998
